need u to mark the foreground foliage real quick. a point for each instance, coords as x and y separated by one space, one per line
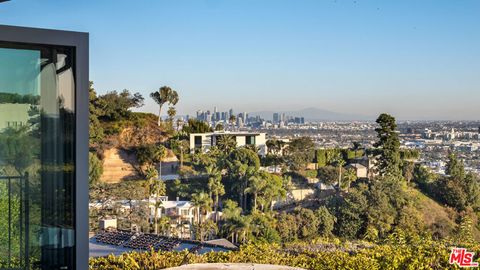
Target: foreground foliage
397 252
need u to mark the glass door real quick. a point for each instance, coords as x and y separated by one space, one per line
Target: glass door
37 157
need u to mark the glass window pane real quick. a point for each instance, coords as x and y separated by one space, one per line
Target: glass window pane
37 157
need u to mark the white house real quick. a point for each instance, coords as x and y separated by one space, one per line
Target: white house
206 140
181 214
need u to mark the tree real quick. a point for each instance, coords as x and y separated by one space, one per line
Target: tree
164 225
231 210
244 156
202 203
455 167
275 146
408 170
300 152
205 230
151 154
326 221
232 120
114 106
458 189
171 114
349 176
18 149
181 147
388 146
307 223
196 126
94 127
219 127
255 184
274 189
95 168
287 227
157 188
215 186
164 95
226 143
350 214
339 163
356 146
274 149
328 175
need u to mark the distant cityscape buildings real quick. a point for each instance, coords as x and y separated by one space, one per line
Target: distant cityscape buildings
243 119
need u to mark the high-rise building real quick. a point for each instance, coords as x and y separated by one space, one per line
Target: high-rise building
276 118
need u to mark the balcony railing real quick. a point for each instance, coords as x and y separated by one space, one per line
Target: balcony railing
14 197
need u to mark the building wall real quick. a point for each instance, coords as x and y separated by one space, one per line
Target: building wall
260 140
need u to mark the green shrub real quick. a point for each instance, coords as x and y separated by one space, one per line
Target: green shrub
398 252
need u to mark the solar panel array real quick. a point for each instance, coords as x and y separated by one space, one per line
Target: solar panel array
143 241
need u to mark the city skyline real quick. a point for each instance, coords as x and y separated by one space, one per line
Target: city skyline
350 57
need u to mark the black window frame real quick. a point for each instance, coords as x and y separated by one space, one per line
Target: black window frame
79 41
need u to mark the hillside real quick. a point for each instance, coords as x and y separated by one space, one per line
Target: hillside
117 149
439 219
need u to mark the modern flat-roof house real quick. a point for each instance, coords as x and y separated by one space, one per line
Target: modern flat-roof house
204 141
43 149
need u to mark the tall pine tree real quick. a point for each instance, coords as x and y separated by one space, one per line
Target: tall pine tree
388 146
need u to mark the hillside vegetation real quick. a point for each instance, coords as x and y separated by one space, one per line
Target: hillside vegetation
399 207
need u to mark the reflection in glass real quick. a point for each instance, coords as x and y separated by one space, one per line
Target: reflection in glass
37 127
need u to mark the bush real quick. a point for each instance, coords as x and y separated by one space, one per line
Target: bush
398 252
311 173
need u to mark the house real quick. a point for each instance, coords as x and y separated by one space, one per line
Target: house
181 214
368 162
205 141
360 170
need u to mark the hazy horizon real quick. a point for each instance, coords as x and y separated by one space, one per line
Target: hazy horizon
416 60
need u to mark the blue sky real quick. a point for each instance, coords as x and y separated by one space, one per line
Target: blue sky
414 59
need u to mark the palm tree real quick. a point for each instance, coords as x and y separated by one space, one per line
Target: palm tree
253 147
202 203
255 184
181 146
244 228
154 188
231 215
164 95
349 177
356 146
275 147
339 162
232 120
226 143
171 114
164 225
215 186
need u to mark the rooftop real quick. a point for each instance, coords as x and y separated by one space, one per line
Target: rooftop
119 242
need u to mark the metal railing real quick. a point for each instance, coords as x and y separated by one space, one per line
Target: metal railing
17 187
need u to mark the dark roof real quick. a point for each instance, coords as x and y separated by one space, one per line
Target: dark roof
118 242
222 242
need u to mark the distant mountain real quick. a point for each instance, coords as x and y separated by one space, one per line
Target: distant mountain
315 114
